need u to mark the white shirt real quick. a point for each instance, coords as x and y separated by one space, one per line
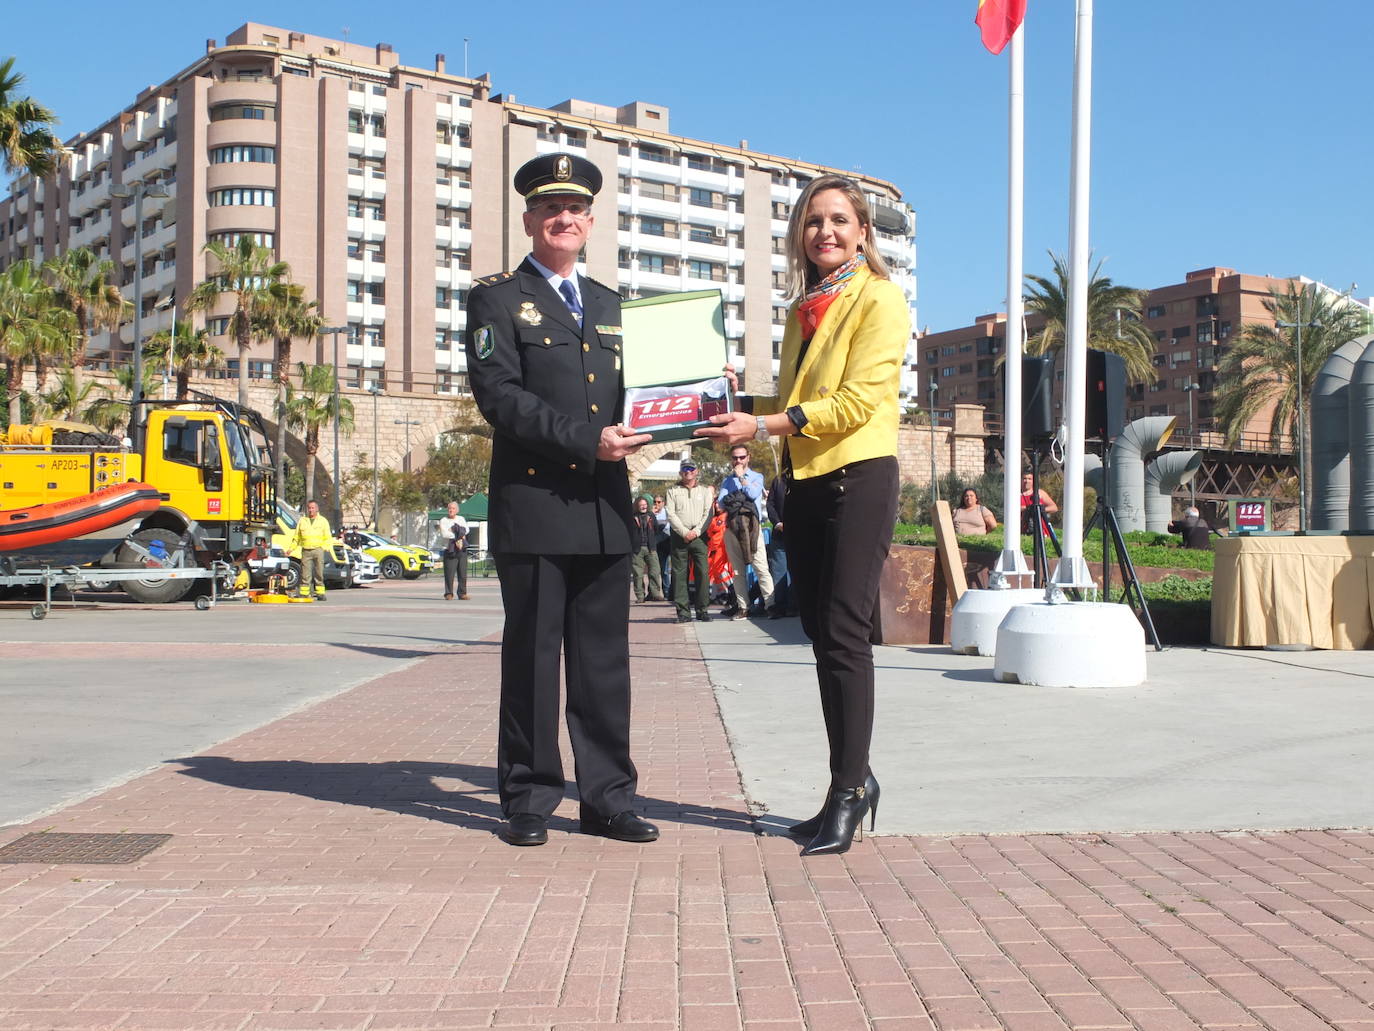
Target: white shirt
446 526
556 281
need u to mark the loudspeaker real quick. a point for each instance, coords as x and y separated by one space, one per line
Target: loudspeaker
1106 402
1037 397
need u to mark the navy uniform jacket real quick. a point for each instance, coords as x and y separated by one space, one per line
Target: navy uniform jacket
548 387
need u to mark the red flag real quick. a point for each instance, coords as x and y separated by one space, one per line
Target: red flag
999 20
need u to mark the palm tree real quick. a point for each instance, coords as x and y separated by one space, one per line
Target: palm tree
70 396
311 407
31 327
285 314
1261 367
247 270
84 284
191 350
1114 314
26 142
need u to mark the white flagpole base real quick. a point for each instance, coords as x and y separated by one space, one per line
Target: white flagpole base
1072 573
978 614
1075 644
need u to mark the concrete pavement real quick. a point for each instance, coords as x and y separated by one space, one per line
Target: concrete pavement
332 862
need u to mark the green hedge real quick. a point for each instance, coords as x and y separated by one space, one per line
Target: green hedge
1160 550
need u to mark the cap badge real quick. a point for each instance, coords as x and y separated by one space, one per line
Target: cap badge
562 168
530 313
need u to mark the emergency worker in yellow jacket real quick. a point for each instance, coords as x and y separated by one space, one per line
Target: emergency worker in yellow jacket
313 536
837 406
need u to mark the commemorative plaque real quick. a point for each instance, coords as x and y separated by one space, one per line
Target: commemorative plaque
674 350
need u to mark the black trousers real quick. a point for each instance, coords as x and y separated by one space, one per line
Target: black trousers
575 605
456 567
839 529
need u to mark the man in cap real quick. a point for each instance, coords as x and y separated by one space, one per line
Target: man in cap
543 356
689 510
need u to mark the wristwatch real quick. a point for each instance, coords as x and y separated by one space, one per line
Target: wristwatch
762 432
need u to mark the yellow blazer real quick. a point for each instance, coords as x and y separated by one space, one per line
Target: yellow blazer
849 381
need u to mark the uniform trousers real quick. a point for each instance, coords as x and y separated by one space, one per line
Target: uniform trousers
312 572
575 605
839 529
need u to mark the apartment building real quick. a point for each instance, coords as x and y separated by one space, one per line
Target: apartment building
1191 322
387 189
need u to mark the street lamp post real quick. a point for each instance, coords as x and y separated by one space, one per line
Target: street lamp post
933 391
374 388
333 333
405 465
1297 327
1189 390
137 189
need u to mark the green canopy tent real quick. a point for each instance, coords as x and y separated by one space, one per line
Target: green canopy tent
474 509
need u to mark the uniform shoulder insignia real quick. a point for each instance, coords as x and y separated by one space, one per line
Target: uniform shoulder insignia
499 277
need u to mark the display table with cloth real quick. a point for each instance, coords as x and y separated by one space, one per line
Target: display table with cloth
1293 590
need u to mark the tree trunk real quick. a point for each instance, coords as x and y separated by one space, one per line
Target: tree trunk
12 386
244 342
282 362
312 448
183 382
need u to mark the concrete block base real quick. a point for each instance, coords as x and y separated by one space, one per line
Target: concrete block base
978 614
1072 644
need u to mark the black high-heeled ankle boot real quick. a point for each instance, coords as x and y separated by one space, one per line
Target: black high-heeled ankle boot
841 822
810 828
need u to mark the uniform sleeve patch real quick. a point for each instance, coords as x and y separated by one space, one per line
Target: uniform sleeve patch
484 342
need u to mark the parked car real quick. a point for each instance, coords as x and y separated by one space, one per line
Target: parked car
366 569
396 560
275 562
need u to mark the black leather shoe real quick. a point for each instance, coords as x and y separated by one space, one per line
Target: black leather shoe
703 616
810 828
525 829
624 826
841 822
684 619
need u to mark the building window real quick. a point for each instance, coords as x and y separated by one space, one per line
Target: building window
1156 311
705 198
658 191
443 340
652 263
652 226
702 234
1223 330
659 154
243 152
699 269
353 290
1204 332
256 112
237 195
1180 332
231 239
441 299
217 327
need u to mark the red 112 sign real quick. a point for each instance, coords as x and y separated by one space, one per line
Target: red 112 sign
665 411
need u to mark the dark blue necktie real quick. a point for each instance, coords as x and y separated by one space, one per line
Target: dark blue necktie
570 296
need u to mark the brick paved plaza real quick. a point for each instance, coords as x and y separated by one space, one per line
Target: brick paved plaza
336 868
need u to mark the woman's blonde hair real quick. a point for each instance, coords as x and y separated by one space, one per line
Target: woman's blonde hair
801 273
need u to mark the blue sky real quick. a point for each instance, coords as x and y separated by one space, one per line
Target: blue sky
1226 132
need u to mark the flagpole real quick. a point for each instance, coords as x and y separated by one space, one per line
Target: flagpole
1011 560
1072 570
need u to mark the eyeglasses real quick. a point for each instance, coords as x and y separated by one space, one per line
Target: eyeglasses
740 458
552 209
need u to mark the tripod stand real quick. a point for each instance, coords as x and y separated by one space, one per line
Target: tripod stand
1104 517
1033 521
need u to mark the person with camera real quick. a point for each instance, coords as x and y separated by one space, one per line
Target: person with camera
453 534
744 536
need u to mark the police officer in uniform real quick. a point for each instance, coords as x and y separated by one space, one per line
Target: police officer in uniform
543 356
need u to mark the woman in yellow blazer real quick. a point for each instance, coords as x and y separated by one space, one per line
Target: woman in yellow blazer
837 405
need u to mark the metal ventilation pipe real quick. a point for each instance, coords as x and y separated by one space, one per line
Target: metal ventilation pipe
1138 439
1331 436
1167 472
1092 473
1361 434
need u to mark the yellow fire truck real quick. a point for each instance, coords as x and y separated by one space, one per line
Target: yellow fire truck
212 466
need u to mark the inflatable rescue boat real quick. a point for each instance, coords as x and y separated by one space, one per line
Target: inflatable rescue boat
74 531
